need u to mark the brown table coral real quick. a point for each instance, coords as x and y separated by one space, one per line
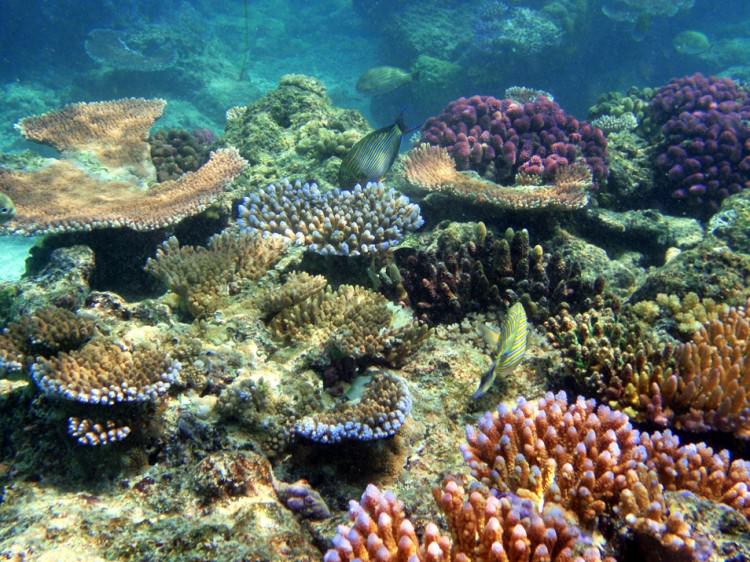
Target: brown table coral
101 180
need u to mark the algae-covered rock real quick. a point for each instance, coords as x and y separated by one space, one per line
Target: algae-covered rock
293 132
731 224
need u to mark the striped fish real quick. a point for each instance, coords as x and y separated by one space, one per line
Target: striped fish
509 344
372 156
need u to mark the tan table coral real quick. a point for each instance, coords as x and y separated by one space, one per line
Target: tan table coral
101 180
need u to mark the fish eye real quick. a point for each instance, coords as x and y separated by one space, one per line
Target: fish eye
4 211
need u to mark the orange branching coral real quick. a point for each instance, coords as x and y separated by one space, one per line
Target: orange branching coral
431 168
575 455
62 197
116 132
484 528
697 468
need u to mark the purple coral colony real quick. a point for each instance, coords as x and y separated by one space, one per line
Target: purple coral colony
504 324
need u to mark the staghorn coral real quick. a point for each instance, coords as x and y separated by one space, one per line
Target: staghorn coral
88 432
365 220
48 331
453 278
431 168
483 528
61 197
115 131
105 373
352 322
201 277
379 413
298 287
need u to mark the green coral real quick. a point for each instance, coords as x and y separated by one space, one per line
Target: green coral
295 132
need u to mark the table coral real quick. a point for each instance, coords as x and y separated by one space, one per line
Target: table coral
379 413
202 277
104 373
432 169
496 137
365 220
101 180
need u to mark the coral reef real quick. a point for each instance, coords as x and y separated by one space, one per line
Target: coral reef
379 413
432 169
365 220
293 131
105 373
455 277
175 152
704 156
88 432
203 277
352 322
496 137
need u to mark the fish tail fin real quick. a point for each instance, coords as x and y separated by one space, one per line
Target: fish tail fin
485 382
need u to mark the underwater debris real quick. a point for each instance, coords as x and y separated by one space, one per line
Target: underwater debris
110 47
365 220
379 414
431 168
203 277
105 373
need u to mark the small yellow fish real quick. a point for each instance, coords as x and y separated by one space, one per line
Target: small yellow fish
7 208
509 345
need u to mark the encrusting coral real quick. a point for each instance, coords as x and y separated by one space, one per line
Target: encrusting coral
432 168
101 181
352 322
365 220
203 277
379 413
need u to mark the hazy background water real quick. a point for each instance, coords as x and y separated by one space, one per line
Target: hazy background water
230 53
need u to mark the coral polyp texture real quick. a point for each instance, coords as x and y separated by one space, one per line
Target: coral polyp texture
483 528
48 331
453 278
379 413
705 155
91 433
116 132
104 373
175 152
496 137
202 277
104 176
431 168
365 220
352 322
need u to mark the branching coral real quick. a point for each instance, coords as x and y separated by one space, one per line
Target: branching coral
298 287
380 413
365 220
201 277
431 168
48 331
88 432
105 373
445 283
102 181
352 322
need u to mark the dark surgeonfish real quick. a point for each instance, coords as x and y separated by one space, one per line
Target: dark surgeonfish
509 347
7 208
382 79
372 156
